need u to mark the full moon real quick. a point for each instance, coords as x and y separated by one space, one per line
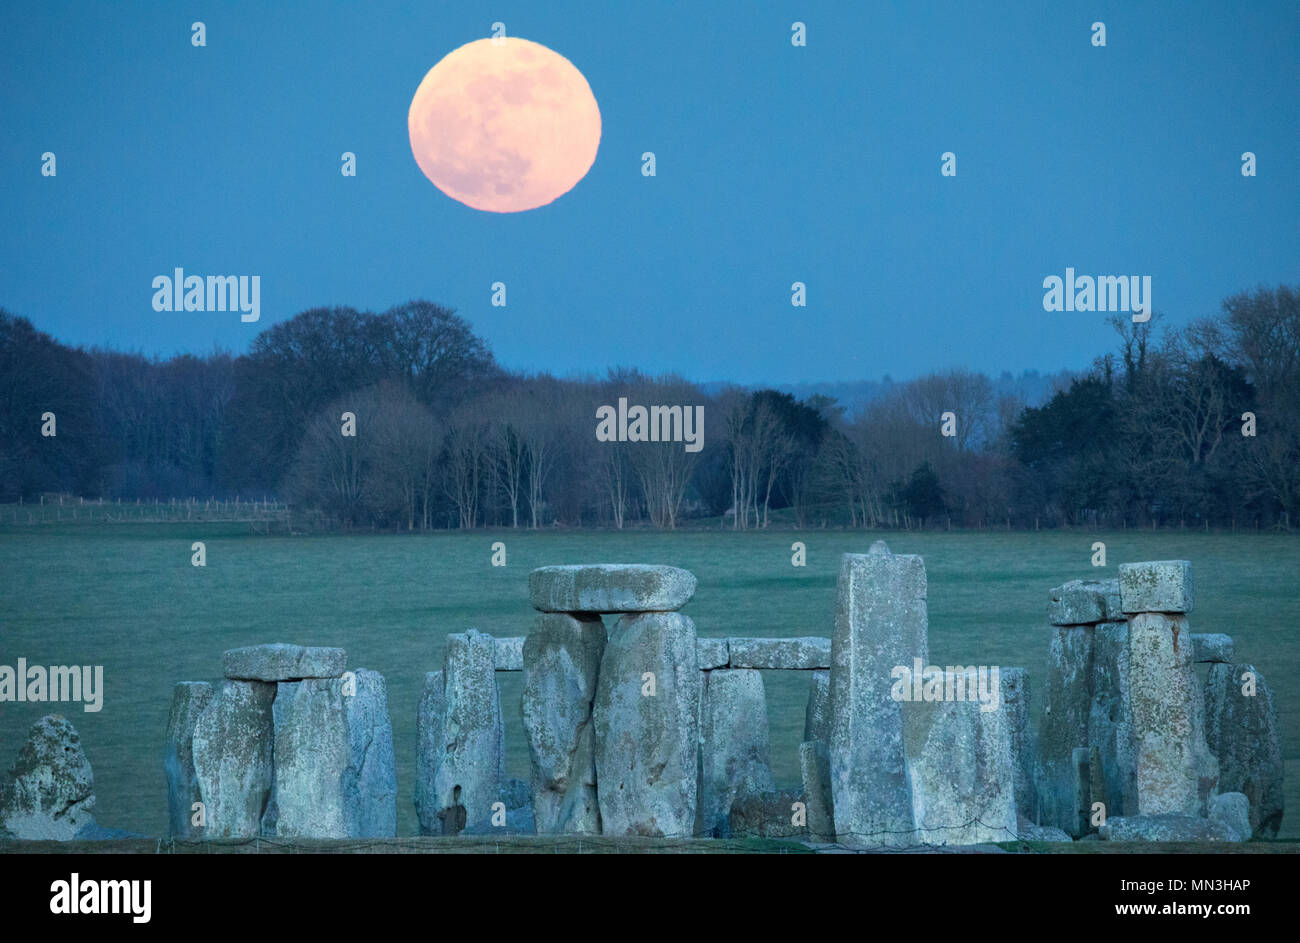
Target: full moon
504 125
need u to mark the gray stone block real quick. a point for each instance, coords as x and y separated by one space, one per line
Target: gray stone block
1156 586
805 653
281 662
610 587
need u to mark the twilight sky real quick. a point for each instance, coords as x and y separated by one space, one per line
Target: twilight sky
775 164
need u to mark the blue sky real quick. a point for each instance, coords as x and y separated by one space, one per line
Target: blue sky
775 164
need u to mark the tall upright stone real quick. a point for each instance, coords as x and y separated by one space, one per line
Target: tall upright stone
1175 770
1110 726
189 698
735 746
1014 700
646 716
561 660
1075 610
1242 732
233 742
311 754
817 715
370 780
461 738
815 770
960 764
880 623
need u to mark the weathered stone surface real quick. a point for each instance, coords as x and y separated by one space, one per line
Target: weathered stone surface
711 653
1232 810
880 623
518 821
610 587
430 748
1084 602
1063 726
646 746
1014 700
561 663
961 769
766 815
508 653
817 715
1110 726
1212 647
49 791
1089 787
233 742
311 754
1156 586
1176 771
735 746
280 662
1242 731
460 753
370 780
815 769
517 793
1168 827
788 653
189 698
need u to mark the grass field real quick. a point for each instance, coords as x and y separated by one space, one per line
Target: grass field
127 598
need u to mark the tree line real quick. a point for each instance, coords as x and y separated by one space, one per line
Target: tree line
404 421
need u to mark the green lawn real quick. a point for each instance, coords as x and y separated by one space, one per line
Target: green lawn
127 598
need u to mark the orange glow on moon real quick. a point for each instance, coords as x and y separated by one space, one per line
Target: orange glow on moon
504 127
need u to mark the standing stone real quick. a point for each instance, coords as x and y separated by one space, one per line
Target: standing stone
647 745
561 659
370 780
880 623
1014 699
312 750
735 746
815 768
610 587
189 698
1063 727
1110 726
49 791
461 749
233 742
817 715
1175 770
1241 730
960 766
430 747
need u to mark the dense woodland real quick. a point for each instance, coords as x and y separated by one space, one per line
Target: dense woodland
445 438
